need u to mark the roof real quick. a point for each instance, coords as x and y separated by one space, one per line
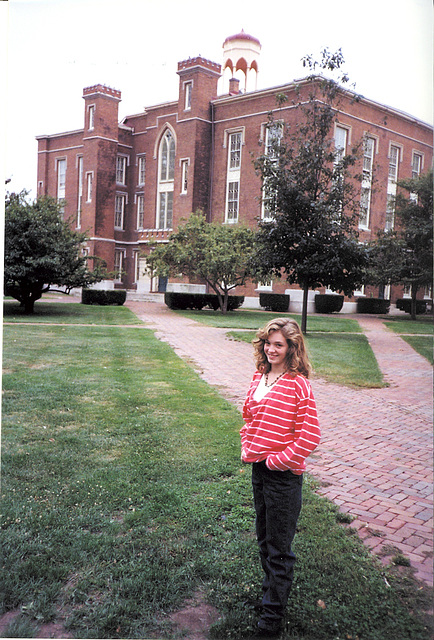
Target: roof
242 36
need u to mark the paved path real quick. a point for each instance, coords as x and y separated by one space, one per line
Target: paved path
375 458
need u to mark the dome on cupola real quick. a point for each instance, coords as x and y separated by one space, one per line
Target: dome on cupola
240 60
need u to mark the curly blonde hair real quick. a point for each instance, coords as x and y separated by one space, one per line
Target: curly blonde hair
297 360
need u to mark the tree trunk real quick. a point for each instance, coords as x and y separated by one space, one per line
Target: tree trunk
304 309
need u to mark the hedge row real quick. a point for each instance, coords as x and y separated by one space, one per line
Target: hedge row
404 304
278 302
175 300
103 296
328 302
373 305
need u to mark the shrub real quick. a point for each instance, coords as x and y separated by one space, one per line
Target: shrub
274 301
373 305
176 300
328 302
103 296
404 304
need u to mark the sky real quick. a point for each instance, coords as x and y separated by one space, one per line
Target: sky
52 49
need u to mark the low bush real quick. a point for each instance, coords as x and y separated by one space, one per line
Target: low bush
373 305
176 300
278 302
404 304
103 296
328 302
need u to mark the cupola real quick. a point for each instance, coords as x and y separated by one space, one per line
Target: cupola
240 60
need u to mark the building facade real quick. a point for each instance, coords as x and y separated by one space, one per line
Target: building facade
129 184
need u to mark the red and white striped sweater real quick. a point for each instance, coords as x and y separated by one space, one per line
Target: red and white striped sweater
283 427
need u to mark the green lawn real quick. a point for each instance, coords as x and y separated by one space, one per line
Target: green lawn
246 319
418 333
123 494
69 313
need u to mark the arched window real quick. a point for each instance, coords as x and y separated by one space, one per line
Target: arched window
165 181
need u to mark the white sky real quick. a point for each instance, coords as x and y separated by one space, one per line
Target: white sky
54 48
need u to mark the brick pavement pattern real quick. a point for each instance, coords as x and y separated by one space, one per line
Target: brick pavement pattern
375 457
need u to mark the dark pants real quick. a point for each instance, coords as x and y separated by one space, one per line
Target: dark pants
277 496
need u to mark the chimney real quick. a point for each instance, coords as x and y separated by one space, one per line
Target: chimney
234 86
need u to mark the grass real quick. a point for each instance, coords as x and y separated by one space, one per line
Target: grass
246 319
337 357
418 334
69 313
123 494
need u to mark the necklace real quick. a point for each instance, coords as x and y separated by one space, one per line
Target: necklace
274 381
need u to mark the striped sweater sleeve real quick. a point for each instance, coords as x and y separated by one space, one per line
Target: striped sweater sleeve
307 432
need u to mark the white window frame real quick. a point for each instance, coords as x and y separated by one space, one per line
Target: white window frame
89 186
184 175
136 258
166 180
119 264
416 167
121 169
140 211
79 189
141 172
61 179
395 151
188 90
342 134
266 201
91 117
369 149
235 140
120 206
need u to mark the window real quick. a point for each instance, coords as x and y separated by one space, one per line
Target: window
165 212
142 169
89 186
235 150
188 87
166 181
167 157
416 165
118 266
120 202
233 176
232 202
273 136
91 119
341 135
121 169
184 176
61 181
136 256
140 211
393 163
365 197
79 189
391 186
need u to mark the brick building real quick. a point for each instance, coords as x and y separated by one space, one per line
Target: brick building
128 184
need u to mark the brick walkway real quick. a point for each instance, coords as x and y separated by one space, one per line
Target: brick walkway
375 458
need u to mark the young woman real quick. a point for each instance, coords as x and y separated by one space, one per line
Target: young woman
281 429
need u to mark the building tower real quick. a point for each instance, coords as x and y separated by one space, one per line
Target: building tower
240 60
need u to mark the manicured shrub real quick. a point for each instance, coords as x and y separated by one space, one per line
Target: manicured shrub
278 302
373 305
176 300
103 296
404 304
328 302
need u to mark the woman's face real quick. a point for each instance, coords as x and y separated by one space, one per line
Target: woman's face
276 348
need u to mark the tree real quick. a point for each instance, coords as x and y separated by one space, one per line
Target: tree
311 231
217 254
41 251
405 255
